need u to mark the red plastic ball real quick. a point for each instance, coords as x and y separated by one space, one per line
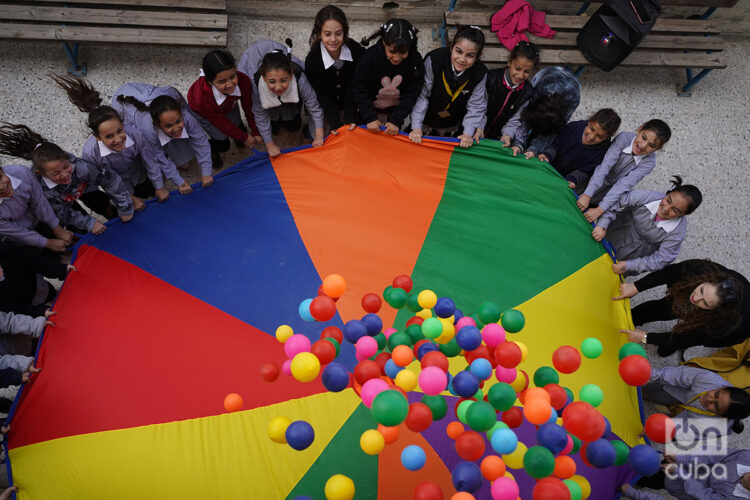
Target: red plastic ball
513 417
381 359
322 308
427 490
371 302
660 428
557 395
416 347
324 351
322 292
333 332
480 352
403 281
269 372
566 359
419 417
508 354
435 358
551 488
635 370
583 421
414 320
365 370
470 445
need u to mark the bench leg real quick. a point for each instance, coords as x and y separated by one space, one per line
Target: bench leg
708 13
692 80
583 8
443 30
74 68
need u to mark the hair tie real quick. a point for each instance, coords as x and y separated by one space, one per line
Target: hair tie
35 147
388 28
474 26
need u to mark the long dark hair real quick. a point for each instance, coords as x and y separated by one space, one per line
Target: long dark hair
215 62
546 115
473 34
403 36
86 98
22 142
158 106
722 319
327 13
692 193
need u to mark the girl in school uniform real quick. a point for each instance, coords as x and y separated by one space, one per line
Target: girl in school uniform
215 98
113 145
164 118
509 88
280 91
23 206
453 100
629 159
580 147
65 179
647 228
329 67
389 77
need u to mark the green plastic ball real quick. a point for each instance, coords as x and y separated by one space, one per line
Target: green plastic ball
432 328
477 320
335 344
450 349
381 340
576 493
481 416
390 408
397 339
592 347
397 298
631 348
621 452
498 425
502 396
546 375
489 312
576 444
538 462
412 302
513 320
387 293
437 406
462 409
414 332
592 394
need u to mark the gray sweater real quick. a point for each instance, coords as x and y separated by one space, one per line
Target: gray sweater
17 331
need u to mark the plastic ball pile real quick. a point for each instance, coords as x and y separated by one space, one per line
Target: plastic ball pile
393 362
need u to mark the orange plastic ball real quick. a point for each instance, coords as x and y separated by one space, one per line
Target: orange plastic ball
455 429
233 402
537 410
537 392
565 467
462 495
402 355
390 434
492 467
334 285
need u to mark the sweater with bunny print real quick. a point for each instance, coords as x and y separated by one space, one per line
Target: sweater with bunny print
382 87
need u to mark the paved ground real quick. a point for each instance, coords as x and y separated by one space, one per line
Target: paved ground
707 146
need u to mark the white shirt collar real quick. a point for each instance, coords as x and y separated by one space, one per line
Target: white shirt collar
507 81
164 138
666 225
220 97
328 61
629 150
51 184
456 72
104 150
741 491
15 182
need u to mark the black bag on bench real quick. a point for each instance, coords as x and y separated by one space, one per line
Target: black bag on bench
615 29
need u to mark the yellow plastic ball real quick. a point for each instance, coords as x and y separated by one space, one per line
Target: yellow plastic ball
584 484
406 379
424 313
448 327
372 442
524 350
305 366
519 383
514 460
339 487
509 475
427 299
283 333
276 429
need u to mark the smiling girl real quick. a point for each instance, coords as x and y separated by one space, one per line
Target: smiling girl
389 77
164 118
454 95
65 179
710 302
330 64
114 145
647 228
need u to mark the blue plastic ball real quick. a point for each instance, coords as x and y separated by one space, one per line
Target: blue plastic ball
467 477
552 417
425 348
504 441
354 330
300 435
304 310
444 307
457 314
372 323
466 384
450 384
601 453
335 377
482 368
392 369
553 437
413 457
607 428
644 460
469 338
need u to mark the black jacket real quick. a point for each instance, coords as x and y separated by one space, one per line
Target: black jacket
496 94
334 86
20 267
369 77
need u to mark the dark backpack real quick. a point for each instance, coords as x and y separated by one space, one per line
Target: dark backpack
615 29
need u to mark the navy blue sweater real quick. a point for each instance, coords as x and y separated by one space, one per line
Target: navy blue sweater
571 157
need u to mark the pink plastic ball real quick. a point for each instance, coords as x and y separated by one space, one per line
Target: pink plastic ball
504 488
372 388
568 447
389 332
507 375
464 321
493 335
366 347
286 368
296 344
432 380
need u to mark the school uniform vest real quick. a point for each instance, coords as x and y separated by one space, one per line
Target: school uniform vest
447 110
497 92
